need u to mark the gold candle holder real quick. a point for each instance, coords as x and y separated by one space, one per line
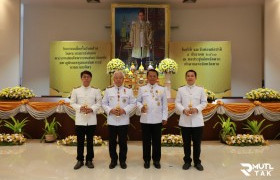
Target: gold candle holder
190 107
145 105
118 109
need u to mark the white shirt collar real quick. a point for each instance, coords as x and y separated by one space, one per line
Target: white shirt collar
191 86
118 87
85 87
152 85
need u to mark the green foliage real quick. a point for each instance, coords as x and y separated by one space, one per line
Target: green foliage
51 128
228 128
277 136
16 126
73 118
255 127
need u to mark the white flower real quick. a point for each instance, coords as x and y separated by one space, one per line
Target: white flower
115 65
168 66
16 93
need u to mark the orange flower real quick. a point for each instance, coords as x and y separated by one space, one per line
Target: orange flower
24 101
257 103
219 102
61 102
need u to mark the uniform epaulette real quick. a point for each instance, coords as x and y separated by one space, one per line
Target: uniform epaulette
127 86
110 86
200 86
161 85
182 86
93 87
77 87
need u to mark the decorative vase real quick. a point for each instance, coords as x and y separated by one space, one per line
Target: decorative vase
168 85
50 138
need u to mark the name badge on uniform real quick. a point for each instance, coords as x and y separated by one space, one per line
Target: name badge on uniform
158 103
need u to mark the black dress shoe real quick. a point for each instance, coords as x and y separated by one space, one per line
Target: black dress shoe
157 165
199 167
186 166
89 164
112 165
78 165
123 165
147 164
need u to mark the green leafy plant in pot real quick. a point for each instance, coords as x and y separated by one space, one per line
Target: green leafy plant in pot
50 129
16 126
255 127
228 128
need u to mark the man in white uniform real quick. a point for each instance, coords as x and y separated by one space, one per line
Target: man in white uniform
118 102
152 102
86 101
190 102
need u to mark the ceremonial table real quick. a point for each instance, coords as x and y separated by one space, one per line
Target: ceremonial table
37 109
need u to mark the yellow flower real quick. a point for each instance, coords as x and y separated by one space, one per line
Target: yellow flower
115 65
168 66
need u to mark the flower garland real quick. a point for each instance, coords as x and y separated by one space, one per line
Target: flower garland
171 140
12 139
246 140
263 94
115 65
72 141
168 66
16 93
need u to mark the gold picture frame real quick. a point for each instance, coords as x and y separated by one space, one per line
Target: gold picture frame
123 15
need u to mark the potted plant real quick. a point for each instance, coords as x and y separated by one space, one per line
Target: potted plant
228 128
210 95
50 129
255 127
17 138
16 126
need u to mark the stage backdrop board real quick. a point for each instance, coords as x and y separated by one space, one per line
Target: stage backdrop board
69 58
210 59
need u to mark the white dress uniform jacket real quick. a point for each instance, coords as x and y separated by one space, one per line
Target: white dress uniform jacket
86 96
195 96
155 98
121 96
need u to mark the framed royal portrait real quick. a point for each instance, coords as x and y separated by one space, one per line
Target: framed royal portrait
140 31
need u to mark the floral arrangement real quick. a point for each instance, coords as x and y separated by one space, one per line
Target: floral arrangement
16 93
210 95
171 140
263 94
12 139
72 141
115 65
245 140
168 66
